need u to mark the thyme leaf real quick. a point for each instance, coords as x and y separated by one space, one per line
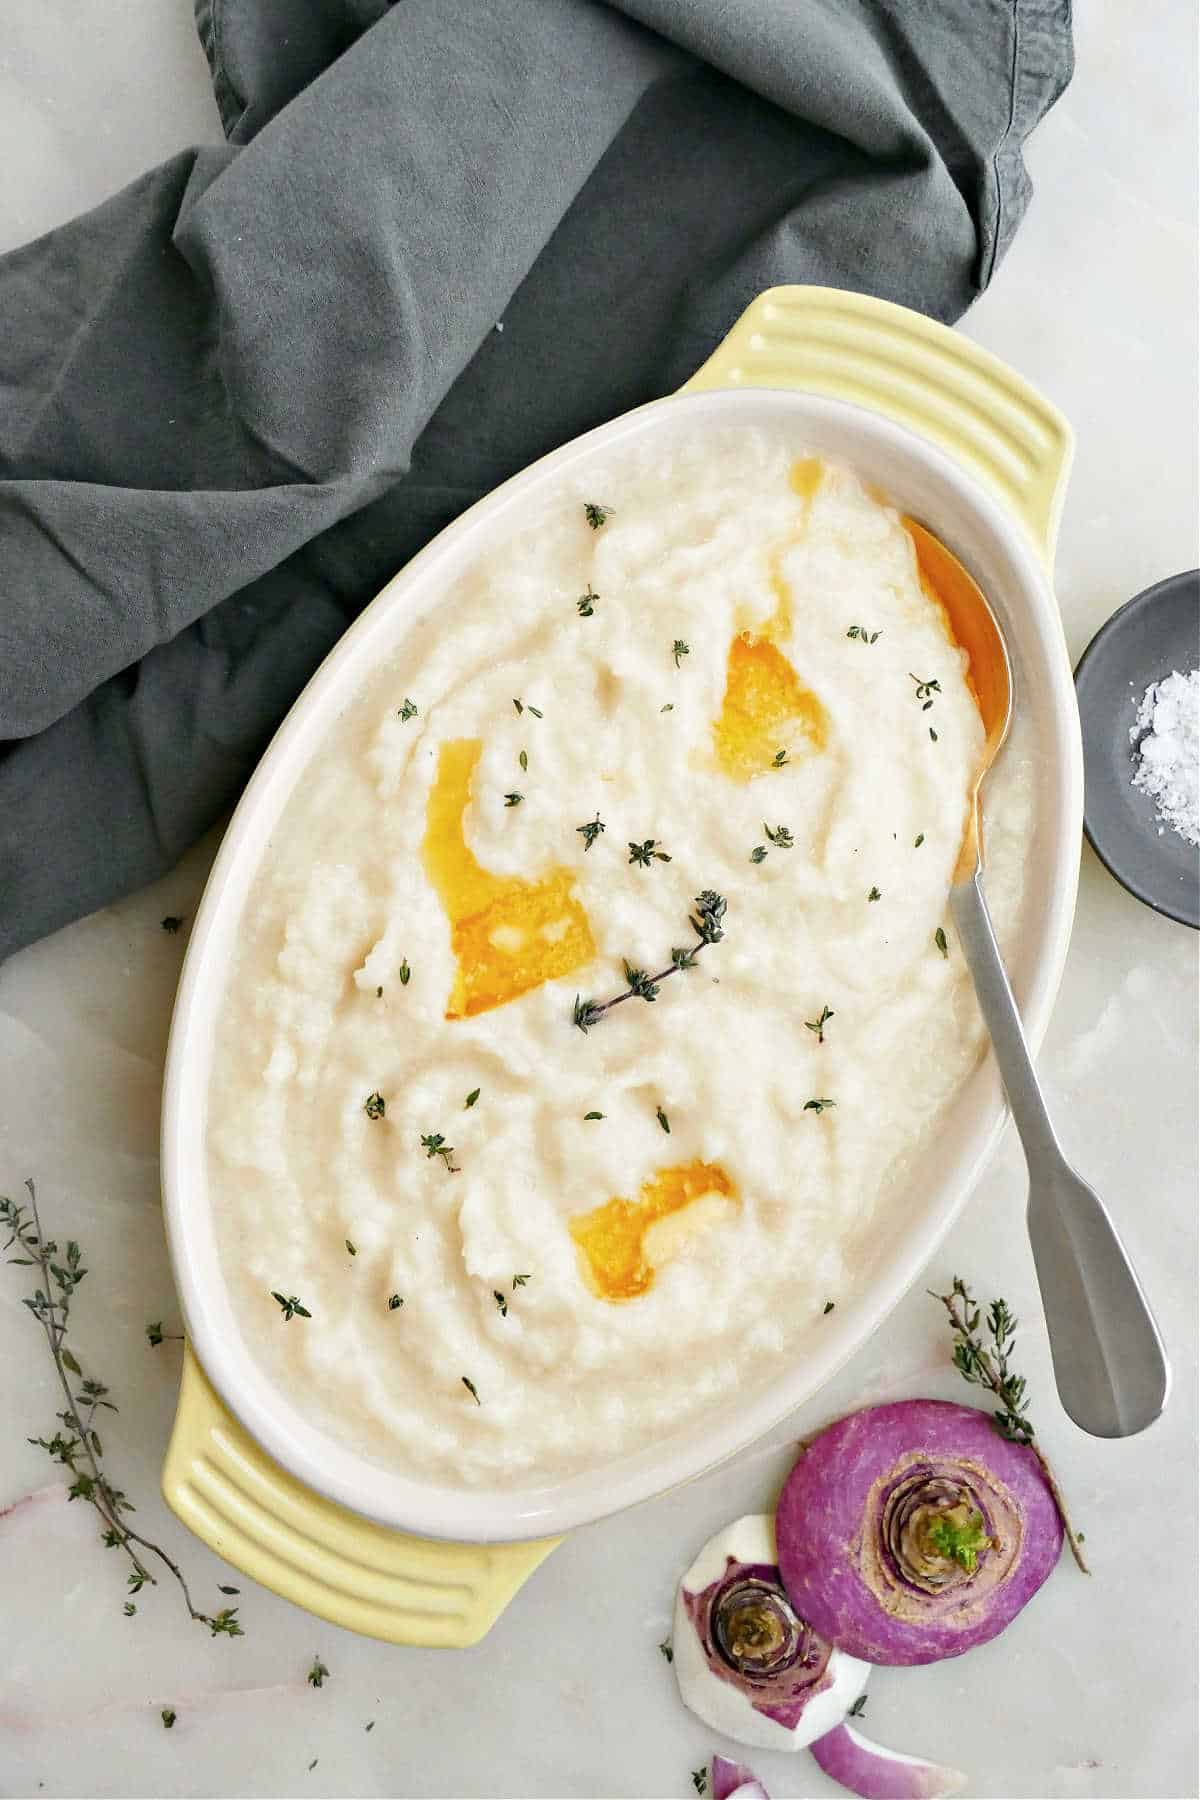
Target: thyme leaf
680 649
317 1674
375 1106
291 1306
647 852
818 1106
781 836
596 516
513 799
591 831
407 711
585 606
434 1144
472 1389
818 1024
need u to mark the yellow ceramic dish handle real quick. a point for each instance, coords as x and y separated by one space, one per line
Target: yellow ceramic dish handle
331 1561
223 1485
913 370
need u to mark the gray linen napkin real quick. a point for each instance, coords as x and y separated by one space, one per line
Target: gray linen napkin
237 396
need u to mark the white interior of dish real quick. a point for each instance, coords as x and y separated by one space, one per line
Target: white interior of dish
919 479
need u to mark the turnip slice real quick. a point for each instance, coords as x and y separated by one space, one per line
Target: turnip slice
879 1774
912 1532
746 1663
734 1781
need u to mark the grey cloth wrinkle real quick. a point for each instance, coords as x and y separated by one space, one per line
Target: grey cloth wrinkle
240 394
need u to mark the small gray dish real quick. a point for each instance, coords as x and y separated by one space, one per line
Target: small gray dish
1156 632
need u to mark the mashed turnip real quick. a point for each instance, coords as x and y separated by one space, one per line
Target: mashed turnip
536 1249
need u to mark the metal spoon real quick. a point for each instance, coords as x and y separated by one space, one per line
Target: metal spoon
1109 1363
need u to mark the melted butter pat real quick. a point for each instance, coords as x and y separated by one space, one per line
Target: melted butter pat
767 707
622 1243
507 935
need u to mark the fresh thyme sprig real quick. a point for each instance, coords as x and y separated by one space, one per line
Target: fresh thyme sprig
585 606
79 1449
680 649
925 690
989 1368
863 634
596 516
591 831
706 922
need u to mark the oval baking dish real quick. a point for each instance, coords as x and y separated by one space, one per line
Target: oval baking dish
952 437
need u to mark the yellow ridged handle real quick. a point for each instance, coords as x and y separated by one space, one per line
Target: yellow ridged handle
917 372
223 1485
383 1583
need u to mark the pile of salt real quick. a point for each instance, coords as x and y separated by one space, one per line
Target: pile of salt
1167 735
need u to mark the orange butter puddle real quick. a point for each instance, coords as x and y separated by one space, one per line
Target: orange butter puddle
767 707
622 1243
508 935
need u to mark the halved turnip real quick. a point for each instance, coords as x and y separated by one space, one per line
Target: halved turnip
914 1531
747 1663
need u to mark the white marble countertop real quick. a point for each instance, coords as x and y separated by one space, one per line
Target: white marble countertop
1092 1692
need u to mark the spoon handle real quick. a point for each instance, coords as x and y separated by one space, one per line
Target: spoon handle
1109 1363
